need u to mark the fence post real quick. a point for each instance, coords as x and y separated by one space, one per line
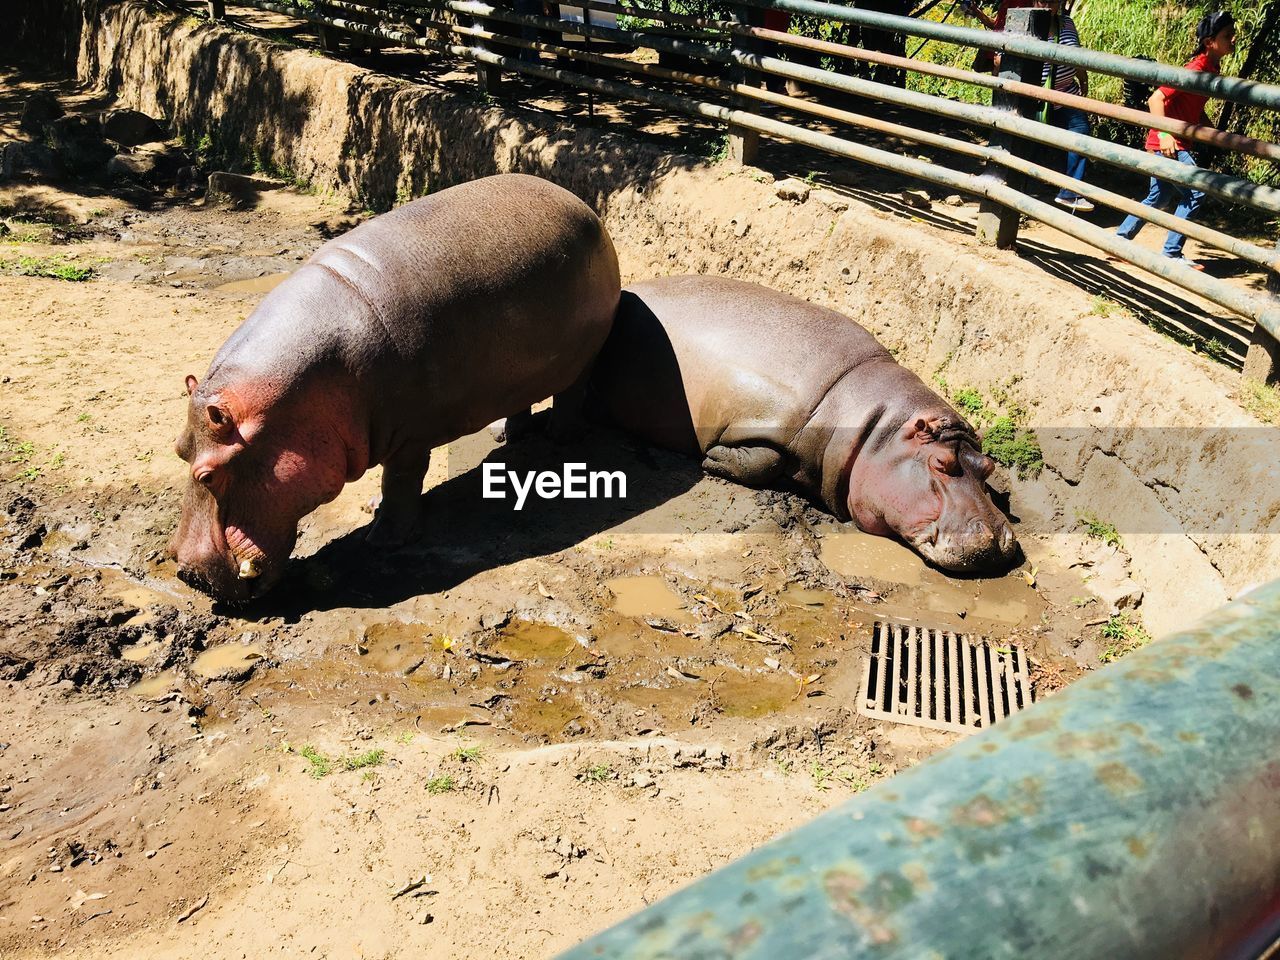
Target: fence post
1262 362
217 9
488 77
998 225
743 144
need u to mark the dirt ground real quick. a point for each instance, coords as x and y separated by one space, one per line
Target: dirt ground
496 743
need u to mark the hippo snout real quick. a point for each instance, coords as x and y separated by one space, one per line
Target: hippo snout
218 574
981 545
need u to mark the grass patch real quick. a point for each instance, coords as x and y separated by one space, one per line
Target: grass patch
1018 449
1105 306
468 754
321 766
54 268
1125 635
1004 439
360 761
443 783
1100 530
1260 400
597 773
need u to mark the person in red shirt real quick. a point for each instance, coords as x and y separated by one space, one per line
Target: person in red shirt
1216 34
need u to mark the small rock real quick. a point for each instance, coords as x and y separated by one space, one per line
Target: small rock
235 190
149 854
78 143
954 200
917 199
574 729
494 619
832 200
642 780
41 107
129 128
797 191
55 868
850 273
425 918
740 225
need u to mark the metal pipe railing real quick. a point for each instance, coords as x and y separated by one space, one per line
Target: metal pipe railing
1265 258
1235 189
1139 118
1133 814
1145 71
1260 309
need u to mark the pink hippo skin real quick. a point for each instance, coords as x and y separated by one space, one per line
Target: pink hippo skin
769 389
418 327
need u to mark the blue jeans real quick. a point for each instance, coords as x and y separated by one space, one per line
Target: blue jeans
1160 196
1074 120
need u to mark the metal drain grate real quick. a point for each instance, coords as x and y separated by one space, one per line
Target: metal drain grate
934 678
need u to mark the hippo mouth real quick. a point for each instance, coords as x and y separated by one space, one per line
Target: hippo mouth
233 565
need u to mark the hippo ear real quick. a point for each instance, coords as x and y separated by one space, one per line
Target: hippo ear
192 383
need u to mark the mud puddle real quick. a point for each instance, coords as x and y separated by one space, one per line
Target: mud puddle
253 285
646 596
915 592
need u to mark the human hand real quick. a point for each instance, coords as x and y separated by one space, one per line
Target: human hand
1168 146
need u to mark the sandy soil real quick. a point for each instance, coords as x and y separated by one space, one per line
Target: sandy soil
493 744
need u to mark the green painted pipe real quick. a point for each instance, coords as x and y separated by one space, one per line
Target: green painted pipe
1146 71
1135 814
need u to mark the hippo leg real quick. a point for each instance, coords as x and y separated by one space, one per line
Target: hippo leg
512 428
568 411
753 466
399 518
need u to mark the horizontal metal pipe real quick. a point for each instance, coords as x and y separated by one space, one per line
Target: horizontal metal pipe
1157 74
1133 814
1262 311
1234 189
1268 259
1138 118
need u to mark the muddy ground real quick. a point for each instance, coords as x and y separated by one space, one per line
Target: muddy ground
496 743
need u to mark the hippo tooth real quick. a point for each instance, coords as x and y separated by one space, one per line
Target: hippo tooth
249 569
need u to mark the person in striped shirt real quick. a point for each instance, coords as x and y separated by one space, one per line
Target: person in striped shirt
1068 79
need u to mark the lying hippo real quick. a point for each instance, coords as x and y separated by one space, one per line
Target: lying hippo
416 328
768 389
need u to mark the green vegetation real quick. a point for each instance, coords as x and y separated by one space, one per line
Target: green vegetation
442 783
468 754
1100 530
1214 349
1125 634
55 268
1105 306
718 150
597 773
823 777
1260 400
1014 447
360 761
321 766
999 420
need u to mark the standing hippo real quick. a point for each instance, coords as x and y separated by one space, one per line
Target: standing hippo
416 328
768 389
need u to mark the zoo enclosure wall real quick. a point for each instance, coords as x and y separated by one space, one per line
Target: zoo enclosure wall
729 59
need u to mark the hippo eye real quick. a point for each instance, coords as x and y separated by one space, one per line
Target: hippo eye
205 477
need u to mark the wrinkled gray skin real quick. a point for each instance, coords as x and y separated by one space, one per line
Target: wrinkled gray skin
418 327
770 389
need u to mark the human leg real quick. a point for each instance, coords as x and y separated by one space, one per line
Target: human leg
1158 195
1069 118
1188 202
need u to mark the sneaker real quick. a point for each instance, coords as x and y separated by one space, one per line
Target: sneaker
1187 262
1075 204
